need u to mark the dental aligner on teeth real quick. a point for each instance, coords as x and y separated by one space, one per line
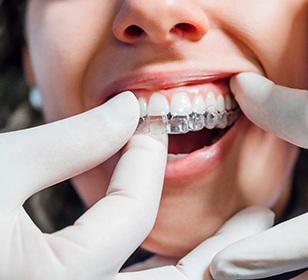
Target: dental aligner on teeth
182 116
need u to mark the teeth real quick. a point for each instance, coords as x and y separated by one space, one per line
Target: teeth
220 103
178 125
157 125
143 107
210 119
198 104
158 105
183 115
228 104
172 157
210 102
180 105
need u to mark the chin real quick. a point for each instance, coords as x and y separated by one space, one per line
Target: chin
211 184
200 193
176 239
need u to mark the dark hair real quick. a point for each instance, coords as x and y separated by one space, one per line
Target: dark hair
13 86
11 33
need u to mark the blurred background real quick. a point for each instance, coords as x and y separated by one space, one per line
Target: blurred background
15 110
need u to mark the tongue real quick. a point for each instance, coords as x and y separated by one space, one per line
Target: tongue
191 141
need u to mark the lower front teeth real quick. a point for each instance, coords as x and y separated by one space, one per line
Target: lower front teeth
178 124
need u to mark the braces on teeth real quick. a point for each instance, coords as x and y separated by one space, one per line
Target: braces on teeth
183 116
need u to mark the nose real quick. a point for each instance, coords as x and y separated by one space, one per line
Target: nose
159 21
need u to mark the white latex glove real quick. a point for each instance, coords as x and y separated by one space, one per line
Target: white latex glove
280 249
283 248
100 241
195 266
280 110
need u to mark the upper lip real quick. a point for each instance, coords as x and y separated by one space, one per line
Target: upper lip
160 80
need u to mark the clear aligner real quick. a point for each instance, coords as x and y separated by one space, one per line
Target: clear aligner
178 124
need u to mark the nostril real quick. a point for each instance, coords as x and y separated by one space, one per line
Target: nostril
186 27
133 31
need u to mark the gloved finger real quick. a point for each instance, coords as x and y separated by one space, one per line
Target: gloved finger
113 228
280 110
245 223
278 250
160 273
39 157
195 265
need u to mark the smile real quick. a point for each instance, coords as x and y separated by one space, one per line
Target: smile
204 112
200 116
184 115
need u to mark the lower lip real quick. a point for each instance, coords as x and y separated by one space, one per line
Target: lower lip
203 161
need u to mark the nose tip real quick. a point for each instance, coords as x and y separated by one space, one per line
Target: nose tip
159 21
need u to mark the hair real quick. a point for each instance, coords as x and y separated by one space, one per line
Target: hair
11 32
13 87
55 208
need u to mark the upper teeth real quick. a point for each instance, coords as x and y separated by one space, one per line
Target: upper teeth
183 115
158 105
182 105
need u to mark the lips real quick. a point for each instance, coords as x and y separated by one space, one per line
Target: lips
193 151
168 80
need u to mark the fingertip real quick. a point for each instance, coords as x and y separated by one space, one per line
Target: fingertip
261 213
240 83
217 269
156 143
124 106
127 96
237 81
247 82
251 90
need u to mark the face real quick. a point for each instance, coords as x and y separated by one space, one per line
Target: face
83 52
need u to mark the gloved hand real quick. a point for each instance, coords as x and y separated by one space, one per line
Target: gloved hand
284 112
280 249
100 241
280 110
195 266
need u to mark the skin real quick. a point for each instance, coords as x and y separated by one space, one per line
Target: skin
77 48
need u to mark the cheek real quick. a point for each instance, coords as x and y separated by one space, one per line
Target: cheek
264 177
62 53
275 34
283 49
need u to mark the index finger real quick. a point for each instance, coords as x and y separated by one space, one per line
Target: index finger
109 232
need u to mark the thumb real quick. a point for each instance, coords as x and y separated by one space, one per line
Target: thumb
280 110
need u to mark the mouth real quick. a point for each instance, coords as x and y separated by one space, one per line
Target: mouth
197 111
195 115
